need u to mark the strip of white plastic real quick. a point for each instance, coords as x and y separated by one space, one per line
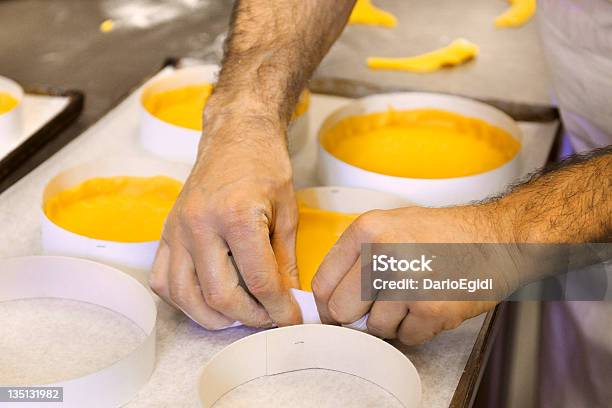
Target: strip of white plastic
102 285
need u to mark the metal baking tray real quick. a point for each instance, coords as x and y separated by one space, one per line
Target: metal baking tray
61 108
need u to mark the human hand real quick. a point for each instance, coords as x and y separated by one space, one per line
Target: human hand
337 284
238 198
539 218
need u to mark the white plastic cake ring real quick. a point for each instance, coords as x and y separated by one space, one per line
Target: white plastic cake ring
101 285
11 121
346 200
440 192
310 346
179 143
59 241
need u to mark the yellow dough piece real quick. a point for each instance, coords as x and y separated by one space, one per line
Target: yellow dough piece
421 143
7 102
519 13
184 106
120 209
107 26
457 52
366 13
318 230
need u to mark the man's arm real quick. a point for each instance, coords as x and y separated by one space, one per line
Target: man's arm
239 197
569 204
271 52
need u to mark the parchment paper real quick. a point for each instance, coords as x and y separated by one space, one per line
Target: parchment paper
183 347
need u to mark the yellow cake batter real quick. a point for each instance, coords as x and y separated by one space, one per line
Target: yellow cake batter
457 52
519 13
181 106
366 13
318 230
423 143
120 209
184 106
7 102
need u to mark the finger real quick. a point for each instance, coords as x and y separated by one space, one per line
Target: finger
158 280
345 305
255 259
220 283
421 325
185 292
283 241
338 261
385 318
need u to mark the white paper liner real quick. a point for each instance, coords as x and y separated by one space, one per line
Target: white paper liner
310 346
349 201
424 192
102 285
59 241
11 125
179 143
344 200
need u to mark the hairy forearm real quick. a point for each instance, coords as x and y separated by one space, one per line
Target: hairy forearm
271 51
570 203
